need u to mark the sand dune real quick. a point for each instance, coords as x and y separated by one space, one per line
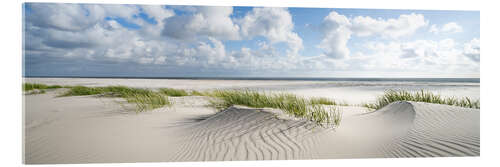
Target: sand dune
88 129
406 129
246 134
439 130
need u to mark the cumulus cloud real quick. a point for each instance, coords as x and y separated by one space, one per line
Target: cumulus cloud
444 56
203 28
205 54
404 25
157 12
472 50
451 27
67 17
76 17
194 39
273 23
337 30
416 49
204 21
83 31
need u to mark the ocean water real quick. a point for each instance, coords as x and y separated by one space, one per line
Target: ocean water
349 90
472 80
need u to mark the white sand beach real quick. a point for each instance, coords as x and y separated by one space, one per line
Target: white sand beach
90 129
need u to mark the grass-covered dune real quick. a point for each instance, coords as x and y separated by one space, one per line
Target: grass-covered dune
421 96
144 99
313 109
173 92
289 103
31 87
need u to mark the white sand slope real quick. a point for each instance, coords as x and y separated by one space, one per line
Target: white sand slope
246 134
439 130
89 130
406 129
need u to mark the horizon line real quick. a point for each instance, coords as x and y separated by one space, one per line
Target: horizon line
249 78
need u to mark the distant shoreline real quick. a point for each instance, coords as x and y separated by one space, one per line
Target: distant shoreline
469 80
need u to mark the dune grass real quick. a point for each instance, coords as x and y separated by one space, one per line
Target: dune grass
33 86
148 101
173 92
197 93
312 109
289 103
326 101
421 96
322 100
144 99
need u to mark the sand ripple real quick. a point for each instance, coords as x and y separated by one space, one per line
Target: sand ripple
402 129
246 134
439 131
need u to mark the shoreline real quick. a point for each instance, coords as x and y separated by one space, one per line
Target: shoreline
381 79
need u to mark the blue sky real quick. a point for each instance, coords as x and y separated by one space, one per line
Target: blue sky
198 41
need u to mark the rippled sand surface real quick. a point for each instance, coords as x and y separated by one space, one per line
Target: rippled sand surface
87 129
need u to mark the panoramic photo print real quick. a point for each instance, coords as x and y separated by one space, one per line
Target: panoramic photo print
120 83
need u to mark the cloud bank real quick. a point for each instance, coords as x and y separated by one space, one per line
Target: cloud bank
185 40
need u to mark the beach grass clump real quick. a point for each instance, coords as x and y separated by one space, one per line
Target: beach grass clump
289 103
147 101
173 92
83 91
370 105
144 99
464 102
33 86
323 101
421 96
198 93
320 115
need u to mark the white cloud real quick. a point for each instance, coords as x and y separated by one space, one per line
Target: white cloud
67 17
76 17
337 30
451 27
123 11
205 21
158 12
275 24
81 31
213 54
195 40
404 25
472 50
423 56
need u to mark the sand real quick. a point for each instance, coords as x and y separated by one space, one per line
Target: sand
89 129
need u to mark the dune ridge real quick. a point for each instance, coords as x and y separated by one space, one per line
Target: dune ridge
401 129
247 134
439 131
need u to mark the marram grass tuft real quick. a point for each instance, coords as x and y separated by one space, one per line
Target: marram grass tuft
421 96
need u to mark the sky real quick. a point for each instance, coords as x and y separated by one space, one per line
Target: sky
204 41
